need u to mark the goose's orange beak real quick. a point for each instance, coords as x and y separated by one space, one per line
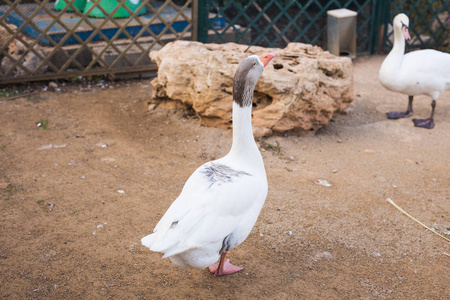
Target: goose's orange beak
265 59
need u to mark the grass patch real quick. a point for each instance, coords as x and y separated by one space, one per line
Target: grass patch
35 98
94 78
9 192
270 147
6 93
43 123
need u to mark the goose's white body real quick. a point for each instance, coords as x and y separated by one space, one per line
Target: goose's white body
219 203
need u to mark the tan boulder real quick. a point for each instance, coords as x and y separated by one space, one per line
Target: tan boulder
300 90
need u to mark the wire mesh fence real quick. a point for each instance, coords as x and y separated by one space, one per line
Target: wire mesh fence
47 39
274 23
429 23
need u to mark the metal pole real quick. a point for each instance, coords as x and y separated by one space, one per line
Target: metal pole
203 24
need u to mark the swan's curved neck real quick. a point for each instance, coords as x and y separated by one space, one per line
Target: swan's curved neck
393 61
399 41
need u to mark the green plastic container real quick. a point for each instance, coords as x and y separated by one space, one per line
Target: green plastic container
60 4
109 5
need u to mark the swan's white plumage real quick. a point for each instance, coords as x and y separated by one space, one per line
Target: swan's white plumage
221 200
422 72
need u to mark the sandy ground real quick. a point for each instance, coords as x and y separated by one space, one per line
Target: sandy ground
77 197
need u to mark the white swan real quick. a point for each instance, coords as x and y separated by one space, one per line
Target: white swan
422 72
220 202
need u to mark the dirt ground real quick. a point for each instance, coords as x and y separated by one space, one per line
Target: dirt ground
80 191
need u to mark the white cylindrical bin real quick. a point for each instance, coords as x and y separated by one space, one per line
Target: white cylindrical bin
342 32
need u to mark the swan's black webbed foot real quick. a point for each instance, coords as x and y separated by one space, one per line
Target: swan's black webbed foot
399 114
424 123
402 114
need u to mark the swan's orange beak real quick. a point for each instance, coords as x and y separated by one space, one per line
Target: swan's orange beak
265 59
406 33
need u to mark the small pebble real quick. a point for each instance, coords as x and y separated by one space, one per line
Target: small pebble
53 85
323 182
102 225
121 191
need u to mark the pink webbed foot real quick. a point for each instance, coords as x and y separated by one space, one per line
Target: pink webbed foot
227 268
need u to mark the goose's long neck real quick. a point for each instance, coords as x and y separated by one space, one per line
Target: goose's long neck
244 147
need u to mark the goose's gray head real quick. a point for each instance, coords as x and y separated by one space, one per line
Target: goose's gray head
402 21
247 74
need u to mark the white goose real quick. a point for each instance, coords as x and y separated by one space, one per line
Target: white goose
222 199
422 72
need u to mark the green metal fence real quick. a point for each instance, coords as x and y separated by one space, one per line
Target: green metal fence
429 23
275 23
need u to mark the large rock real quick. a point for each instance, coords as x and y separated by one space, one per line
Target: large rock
300 90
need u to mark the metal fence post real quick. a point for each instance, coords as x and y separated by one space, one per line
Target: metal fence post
385 16
377 33
202 20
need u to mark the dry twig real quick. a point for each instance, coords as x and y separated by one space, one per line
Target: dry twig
20 96
400 209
